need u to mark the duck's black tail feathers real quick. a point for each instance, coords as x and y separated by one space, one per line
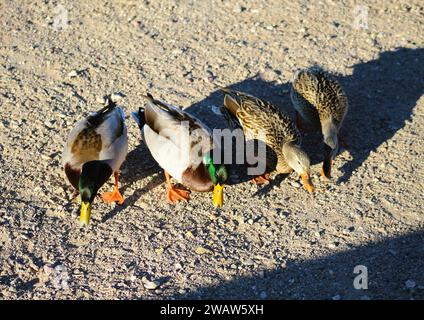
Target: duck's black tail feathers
97 118
158 103
139 117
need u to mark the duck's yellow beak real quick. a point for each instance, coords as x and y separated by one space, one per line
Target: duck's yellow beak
307 183
85 214
218 195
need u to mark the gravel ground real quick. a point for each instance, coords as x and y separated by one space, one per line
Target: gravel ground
57 57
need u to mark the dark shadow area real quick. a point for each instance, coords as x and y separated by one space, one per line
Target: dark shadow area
138 165
381 95
207 110
389 263
13 281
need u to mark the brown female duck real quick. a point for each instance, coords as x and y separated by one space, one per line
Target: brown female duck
321 105
263 121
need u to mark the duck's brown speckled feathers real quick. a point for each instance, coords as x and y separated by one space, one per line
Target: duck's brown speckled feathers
317 96
260 117
89 141
100 135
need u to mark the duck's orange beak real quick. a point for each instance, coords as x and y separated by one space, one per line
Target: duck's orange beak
307 183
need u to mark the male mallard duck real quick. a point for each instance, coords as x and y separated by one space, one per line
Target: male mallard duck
262 120
183 147
96 148
322 105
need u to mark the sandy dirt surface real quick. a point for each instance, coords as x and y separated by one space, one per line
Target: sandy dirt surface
57 57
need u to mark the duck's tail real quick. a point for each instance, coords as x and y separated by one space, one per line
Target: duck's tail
96 118
157 103
230 103
139 117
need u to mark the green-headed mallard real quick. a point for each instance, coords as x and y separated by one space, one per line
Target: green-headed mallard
261 120
96 148
322 105
183 146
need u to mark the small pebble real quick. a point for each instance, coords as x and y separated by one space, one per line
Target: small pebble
216 110
150 285
48 269
410 284
263 295
295 184
337 297
201 250
332 245
248 262
159 251
73 74
116 96
101 100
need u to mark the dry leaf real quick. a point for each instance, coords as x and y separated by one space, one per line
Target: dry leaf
189 234
159 250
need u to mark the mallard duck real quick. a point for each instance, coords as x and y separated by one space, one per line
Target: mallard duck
262 120
321 105
96 148
183 146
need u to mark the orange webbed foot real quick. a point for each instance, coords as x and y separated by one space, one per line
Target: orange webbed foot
261 180
114 196
175 194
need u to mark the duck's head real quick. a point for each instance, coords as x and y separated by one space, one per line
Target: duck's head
93 175
299 161
219 175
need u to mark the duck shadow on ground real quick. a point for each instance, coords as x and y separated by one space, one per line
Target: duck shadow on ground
387 266
138 165
209 111
381 93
